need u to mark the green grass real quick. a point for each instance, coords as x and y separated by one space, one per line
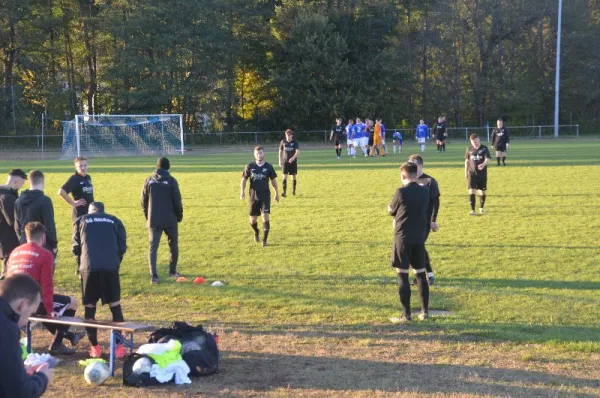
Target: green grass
525 272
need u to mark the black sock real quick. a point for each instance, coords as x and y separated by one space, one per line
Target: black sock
482 201
438 147
503 160
90 314
443 147
117 316
284 183
266 227
423 291
255 227
473 202
294 186
427 263
498 160
404 293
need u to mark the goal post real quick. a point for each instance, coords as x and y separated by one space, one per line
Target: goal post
123 135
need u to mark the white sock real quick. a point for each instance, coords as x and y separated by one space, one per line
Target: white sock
394 148
422 148
430 274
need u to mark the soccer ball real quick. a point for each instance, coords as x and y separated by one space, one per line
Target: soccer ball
142 365
96 373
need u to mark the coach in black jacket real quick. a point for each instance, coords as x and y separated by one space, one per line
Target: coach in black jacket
161 202
33 205
99 243
8 195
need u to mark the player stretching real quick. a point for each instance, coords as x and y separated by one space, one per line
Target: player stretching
349 131
432 210
259 172
338 131
441 133
422 132
477 157
397 140
500 141
288 156
409 209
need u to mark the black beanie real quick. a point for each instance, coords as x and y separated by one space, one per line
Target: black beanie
163 163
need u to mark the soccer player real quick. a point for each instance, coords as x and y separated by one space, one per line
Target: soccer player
100 242
359 138
32 259
500 141
288 156
422 132
338 131
477 157
378 138
349 133
441 133
19 298
161 203
259 172
409 209
33 205
8 195
382 127
80 186
397 141
370 134
432 209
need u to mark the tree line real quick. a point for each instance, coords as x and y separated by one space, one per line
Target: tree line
245 65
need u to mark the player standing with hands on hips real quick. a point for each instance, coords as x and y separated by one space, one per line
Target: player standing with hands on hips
288 156
79 185
259 172
500 141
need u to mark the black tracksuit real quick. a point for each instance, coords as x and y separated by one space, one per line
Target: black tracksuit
8 237
35 206
14 380
161 203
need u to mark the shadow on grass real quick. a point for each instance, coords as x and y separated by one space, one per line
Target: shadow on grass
505 245
523 283
266 372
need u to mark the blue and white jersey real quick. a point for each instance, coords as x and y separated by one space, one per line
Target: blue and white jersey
382 131
397 136
359 130
349 131
422 131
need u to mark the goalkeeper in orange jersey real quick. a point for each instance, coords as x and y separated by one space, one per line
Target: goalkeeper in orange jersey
378 138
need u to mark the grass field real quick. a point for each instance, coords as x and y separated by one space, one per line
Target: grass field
308 315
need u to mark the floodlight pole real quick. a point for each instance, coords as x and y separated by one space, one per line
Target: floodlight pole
557 84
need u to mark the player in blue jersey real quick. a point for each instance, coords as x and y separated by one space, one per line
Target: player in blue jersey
385 150
359 139
422 132
349 131
397 140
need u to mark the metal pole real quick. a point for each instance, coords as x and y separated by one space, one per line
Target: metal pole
77 134
577 127
557 83
42 135
181 132
540 132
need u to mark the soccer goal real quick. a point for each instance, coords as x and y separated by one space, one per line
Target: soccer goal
122 135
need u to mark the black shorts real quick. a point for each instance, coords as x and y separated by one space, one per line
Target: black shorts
441 138
290 168
100 285
477 181
59 303
500 148
371 140
258 206
405 255
338 142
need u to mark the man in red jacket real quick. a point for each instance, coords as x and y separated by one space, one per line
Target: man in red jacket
32 259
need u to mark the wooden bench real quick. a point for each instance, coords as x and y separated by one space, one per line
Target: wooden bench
126 328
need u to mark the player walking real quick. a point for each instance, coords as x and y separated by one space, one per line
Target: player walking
421 134
337 132
477 157
288 156
409 209
441 133
259 172
80 186
500 141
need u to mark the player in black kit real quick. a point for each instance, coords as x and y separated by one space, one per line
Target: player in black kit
431 183
288 156
409 209
477 157
441 133
500 141
337 132
80 186
259 172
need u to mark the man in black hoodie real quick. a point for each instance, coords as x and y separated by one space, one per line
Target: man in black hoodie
8 195
33 205
19 298
161 203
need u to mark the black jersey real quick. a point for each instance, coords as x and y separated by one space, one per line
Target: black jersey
289 149
409 209
81 188
500 137
338 131
440 131
431 183
477 156
260 177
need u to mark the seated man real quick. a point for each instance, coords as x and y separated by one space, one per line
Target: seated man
32 259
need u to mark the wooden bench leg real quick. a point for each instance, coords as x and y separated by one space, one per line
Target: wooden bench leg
28 333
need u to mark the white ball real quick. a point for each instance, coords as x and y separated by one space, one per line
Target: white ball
96 373
142 365
218 283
